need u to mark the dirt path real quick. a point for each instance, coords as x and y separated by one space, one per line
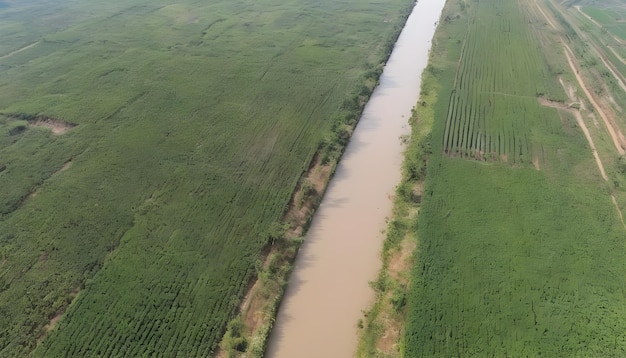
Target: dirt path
587 16
616 135
544 15
619 212
20 50
598 24
616 54
609 66
581 124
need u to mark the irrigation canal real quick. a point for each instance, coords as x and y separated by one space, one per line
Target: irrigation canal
329 287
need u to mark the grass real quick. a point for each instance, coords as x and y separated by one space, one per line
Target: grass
493 100
612 19
511 260
194 122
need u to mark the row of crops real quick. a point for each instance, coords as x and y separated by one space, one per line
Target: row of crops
498 79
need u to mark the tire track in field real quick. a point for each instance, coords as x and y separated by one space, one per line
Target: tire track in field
545 16
581 124
598 24
619 212
20 50
609 66
616 54
587 16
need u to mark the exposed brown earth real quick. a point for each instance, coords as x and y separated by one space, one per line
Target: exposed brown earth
399 264
57 126
56 318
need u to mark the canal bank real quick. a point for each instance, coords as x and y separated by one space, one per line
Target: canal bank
328 289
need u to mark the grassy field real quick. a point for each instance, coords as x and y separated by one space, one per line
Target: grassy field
520 251
493 103
192 124
612 19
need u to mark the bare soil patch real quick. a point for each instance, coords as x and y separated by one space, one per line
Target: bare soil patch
398 266
56 318
57 126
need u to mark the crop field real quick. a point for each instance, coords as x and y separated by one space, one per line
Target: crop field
521 252
494 98
612 20
147 148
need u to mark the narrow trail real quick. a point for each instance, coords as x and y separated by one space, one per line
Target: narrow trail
20 50
598 24
618 77
616 135
609 66
582 125
545 16
616 54
619 212
587 16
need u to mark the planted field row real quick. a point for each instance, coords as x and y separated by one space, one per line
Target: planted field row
497 82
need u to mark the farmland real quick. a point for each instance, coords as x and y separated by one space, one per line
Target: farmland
188 126
493 102
519 238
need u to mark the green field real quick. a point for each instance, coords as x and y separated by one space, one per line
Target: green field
520 250
193 124
494 102
612 19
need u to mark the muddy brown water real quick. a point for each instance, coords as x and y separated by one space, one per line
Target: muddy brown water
329 287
